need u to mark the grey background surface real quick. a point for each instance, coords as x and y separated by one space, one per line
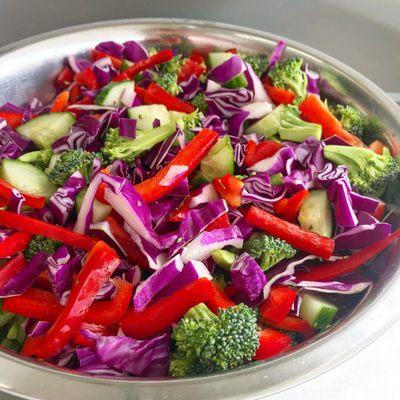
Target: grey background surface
364 34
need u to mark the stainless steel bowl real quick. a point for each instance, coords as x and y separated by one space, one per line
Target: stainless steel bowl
27 69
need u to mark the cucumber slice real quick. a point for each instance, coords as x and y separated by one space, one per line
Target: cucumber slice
316 213
223 258
317 311
268 126
276 179
45 129
239 81
111 94
145 116
219 161
27 178
216 59
100 210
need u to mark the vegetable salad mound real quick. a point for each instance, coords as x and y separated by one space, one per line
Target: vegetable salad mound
178 215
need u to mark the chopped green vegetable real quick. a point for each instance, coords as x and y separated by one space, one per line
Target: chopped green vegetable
168 76
351 119
199 101
40 243
223 258
259 63
269 250
39 158
206 343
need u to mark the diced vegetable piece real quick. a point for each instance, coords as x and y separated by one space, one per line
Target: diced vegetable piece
111 95
268 126
147 114
223 258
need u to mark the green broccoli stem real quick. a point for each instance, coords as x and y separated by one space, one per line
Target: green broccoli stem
201 311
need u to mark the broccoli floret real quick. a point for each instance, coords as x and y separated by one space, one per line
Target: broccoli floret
122 148
71 161
39 158
351 119
188 122
206 343
168 76
199 101
258 63
373 130
368 171
40 243
287 74
268 250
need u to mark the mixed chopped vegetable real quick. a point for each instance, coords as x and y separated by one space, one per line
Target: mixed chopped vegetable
178 214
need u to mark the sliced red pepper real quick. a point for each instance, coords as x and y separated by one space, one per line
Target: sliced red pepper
313 109
179 214
190 156
102 187
34 303
380 211
157 95
60 102
97 55
43 281
11 268
289 209
86 78
196 57
219 300
233 50
81 340
31 225
272 343
307 241
141 92
220 223
278 304
334 269
150 62
109 312
65 78
294 324
377 147
189 68
99 265
12 119
30 200
162 314
257 152
3 202
230 291
133 253
230 189
278 95
14 244
74 93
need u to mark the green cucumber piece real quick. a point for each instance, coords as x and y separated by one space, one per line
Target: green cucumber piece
45 129
100 210
317 311
125 65
316 213
268 126
26 178
5 317
145 140
276 179
223 258
219 161
216 59
111 94
145 115
239 81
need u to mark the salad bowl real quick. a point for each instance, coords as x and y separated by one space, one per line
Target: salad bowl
28 68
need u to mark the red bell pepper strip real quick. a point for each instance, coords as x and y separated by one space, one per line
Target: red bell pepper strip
109 312
278 304
257 152
189 68
380 211
230 189
309 242
74 93
34 303
272 343
278 95
133 253
313 109
220 223
43 281
289 209
97 55
86 78
219 300
12 119
30 200
377 147
65 78
99 265
230 291
150 62
36 227
11 268
14 244
81 340
334 269
293 324
157 95
232 50
191 156
141 92
60 102
162 314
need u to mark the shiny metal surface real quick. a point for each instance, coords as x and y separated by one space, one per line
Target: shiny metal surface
27 68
